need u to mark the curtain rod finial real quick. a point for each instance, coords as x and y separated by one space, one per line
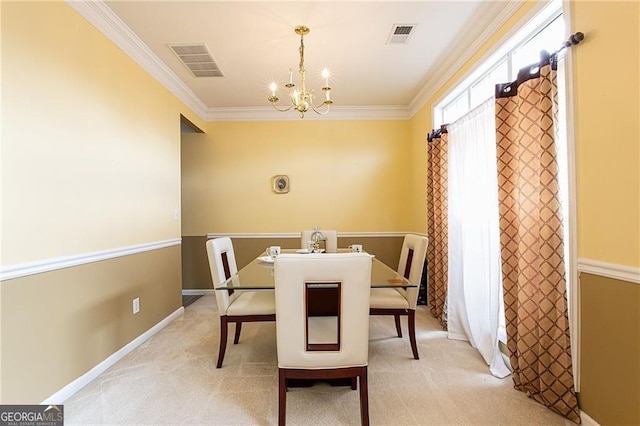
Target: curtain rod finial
577 38
574 39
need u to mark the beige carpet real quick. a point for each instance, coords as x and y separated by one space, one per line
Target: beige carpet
171 380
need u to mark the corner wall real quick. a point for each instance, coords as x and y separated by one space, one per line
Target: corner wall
90 163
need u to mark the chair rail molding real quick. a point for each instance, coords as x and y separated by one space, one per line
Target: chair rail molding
45 265
609 270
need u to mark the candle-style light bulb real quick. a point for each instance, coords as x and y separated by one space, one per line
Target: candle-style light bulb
325 74
290 76
273 88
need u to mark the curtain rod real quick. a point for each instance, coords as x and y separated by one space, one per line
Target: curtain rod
505 90
573 39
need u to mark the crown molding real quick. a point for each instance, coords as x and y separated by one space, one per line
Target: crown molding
267 113
108 23
454 60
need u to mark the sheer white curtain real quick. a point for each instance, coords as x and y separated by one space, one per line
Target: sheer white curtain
474 298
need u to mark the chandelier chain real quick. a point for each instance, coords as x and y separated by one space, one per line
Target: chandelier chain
301 64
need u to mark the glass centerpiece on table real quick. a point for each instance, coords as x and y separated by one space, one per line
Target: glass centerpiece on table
318 240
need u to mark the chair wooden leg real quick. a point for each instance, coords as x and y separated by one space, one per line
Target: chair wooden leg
223 340
364 398
282 397
236 339
354 383
398 329
412 332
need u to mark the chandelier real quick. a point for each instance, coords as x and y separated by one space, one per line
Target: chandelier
302 100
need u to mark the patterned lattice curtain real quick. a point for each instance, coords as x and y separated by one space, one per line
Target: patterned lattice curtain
531 237
437 251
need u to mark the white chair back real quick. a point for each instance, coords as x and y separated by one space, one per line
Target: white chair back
411 263
222 263
331 237
292 274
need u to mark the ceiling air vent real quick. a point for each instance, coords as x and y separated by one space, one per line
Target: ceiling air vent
400 33
197 59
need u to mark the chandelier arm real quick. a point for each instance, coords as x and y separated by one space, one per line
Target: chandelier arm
316 109
320 105
281 109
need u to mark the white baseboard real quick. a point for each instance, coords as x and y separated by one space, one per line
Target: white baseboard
455 336
73 387
586 420
197 291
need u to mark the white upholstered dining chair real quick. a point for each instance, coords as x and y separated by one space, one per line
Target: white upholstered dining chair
400 301
235 306
331 239
331 345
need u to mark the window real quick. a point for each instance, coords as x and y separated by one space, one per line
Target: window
483 89
544 32
546 39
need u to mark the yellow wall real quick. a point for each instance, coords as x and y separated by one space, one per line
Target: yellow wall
607 114
353 176
90 162
419 126
87 135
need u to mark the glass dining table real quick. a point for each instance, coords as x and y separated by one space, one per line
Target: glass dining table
258 274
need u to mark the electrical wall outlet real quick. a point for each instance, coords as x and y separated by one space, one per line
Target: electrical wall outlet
136 305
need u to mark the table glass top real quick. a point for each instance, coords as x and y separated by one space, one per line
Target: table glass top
258 275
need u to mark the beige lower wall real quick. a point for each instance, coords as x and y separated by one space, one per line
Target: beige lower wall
58 325
610 348
196 274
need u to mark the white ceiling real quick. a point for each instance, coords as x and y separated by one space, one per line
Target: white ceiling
253 43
